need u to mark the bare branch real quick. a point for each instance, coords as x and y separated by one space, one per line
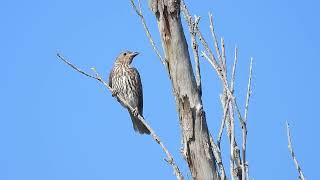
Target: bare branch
248 92
193 25
154 136
216 45
223 54
244 126
77 69
301 176
236 151
232 141
233 76
217 155
146 29
196 52
226 107
225 113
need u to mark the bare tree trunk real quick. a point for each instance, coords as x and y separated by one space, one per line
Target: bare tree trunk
196 142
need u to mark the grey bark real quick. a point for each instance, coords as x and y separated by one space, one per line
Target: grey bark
195 137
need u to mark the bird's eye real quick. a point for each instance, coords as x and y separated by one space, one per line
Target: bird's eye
124 54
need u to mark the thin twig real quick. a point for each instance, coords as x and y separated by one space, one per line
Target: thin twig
244 126
237 156
146 29
225 97
214 37
223 54
223 58
196 51
225 113
226 106
234 66
193 25
154 136
236 151
217 155
232 141
248 91
301 176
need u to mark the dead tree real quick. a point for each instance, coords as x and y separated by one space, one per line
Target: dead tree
201 152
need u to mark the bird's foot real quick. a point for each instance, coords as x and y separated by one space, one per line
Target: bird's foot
114 92
135 112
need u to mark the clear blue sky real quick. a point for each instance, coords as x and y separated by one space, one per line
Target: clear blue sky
56 124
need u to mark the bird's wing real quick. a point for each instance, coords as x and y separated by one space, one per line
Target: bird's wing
139 91
110 78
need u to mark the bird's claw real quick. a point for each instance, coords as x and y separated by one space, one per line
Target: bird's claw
135 112
114 92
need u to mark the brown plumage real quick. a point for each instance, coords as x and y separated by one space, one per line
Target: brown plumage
126 83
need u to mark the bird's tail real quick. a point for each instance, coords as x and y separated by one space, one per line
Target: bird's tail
138 126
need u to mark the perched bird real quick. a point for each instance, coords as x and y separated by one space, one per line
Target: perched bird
126 83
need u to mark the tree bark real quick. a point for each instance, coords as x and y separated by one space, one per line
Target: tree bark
195 137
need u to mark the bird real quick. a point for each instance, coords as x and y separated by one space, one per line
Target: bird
126 83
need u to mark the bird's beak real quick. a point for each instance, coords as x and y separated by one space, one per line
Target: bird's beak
134 54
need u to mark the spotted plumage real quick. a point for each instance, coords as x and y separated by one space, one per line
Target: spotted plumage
126 83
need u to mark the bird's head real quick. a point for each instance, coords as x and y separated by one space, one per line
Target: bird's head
126 57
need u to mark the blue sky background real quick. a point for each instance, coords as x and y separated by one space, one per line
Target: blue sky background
56 124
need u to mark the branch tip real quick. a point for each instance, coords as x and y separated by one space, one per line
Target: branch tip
301 176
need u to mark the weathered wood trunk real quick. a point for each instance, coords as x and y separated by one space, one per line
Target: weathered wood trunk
196 143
